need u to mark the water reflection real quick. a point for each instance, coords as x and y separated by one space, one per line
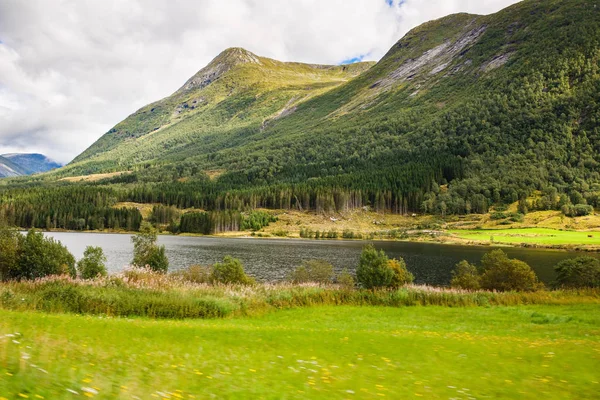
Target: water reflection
272 260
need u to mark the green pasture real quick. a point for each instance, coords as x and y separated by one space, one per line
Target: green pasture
540 236
345 352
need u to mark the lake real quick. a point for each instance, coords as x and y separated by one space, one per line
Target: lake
272 259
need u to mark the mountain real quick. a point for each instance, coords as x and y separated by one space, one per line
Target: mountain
463 112
9 168
236 92
32 163
18 164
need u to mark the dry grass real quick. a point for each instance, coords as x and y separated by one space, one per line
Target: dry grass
214 174
94 177
141 292
358 221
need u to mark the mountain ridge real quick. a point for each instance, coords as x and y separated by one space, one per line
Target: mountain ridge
462 113
233 70
19 164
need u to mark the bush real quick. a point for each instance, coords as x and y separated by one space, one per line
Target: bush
373 270
465 276
9 251
157 259
318 271
92 264
580 272
517 217
401 275
195 274
348 234
230 271
256 220
345 279
503 274
146 252
579 210
498 215
40 256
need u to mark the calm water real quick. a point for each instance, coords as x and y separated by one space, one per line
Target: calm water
272 260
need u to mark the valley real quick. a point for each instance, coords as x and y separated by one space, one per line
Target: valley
426 225
464 115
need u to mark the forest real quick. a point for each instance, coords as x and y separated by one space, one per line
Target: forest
480 134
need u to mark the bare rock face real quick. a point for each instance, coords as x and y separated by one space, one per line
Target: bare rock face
437 59
223 63
496 62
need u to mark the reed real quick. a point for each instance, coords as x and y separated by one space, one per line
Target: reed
144 293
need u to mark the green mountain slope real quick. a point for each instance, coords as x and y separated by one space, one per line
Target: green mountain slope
236 91
462 113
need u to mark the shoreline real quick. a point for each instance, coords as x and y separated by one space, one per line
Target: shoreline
452 241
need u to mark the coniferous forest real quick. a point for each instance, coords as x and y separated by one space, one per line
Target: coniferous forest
508 107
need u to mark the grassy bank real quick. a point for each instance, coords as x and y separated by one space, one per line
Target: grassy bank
532 236
145 294
548 229
326 352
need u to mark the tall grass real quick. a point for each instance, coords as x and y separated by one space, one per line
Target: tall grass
143 293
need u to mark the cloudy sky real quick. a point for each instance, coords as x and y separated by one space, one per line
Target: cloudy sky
72 69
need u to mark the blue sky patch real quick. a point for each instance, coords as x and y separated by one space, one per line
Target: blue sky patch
391 2
353 60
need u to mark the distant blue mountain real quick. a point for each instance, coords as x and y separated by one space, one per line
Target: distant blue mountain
17 164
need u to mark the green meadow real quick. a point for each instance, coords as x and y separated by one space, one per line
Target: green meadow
345 352
540 236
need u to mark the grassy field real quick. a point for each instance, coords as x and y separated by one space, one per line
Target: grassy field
541 236
321 352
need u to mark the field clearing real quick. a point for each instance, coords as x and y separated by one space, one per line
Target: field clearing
321 352
541 236
94 177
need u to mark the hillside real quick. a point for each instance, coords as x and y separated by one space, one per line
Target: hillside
463 113
238 91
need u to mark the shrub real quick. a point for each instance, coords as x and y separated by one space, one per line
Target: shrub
373 270
348 234
318 271
256 220
9 251
579 210
465 276
401 275
498 215
503 274
580 272
92 264
195 274
517 217
345 279
146 252
40 256
157 259
230 270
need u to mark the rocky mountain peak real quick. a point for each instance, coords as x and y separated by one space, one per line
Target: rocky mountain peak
224 62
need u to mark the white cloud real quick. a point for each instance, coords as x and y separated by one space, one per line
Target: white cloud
72 69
